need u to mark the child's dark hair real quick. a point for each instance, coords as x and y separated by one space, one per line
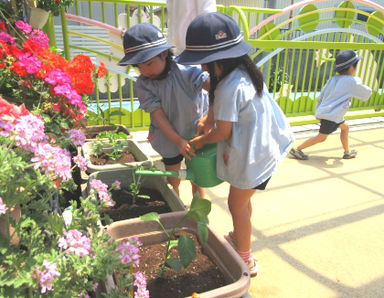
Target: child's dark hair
344 71
228 65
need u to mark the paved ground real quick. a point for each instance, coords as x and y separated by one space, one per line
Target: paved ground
318 229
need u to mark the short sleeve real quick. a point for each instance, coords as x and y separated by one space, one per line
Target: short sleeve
193 76
149 102
227 99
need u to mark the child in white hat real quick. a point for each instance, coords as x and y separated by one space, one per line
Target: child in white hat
170 92
251 131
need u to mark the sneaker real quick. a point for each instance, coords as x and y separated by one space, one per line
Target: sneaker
298 154
349 155
253 266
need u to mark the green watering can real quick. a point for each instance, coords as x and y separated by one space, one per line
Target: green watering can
201 169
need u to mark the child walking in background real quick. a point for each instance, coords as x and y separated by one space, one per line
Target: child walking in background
170 92
334 102
251 131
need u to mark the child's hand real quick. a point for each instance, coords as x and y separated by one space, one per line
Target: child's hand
185 149
197 142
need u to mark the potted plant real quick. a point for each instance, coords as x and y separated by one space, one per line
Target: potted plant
46 250
159 230
113 150
53 7
137 194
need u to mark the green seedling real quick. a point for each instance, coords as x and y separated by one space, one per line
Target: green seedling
198 211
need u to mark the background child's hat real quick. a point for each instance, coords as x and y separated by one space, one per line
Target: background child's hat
142 42
212 36
345 59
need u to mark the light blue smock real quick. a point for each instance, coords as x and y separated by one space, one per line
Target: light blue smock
336 97
181 97
261 134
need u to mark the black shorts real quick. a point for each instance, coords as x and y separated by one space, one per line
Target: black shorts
327 127
263 185
173 160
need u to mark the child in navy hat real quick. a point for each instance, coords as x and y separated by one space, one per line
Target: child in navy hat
252 134
170 92
333 103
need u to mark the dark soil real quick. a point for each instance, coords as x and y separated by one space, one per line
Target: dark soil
125 208
104 159
200 276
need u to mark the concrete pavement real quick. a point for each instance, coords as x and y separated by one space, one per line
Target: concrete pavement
318 229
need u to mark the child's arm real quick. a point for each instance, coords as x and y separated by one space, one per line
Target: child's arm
361 91
206 123
221 132
162 121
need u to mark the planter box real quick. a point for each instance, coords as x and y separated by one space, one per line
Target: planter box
125 177
96 129
217 249
132 147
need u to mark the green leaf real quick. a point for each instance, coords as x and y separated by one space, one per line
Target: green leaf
187 251
174 264
199 209
203 232
151 216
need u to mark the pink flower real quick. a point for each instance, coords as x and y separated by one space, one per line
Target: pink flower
81 162
75 242
141 284
3 207
47 276
76 136
102 191
58 77
23 26
117 184
129 251
31 63
5 37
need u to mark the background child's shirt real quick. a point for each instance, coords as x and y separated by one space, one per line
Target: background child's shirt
336 97
181 97
261 134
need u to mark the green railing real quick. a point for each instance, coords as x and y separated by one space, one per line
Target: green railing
294 47
296 53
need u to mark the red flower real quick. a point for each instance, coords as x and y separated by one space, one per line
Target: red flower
102 70
2 26
10 112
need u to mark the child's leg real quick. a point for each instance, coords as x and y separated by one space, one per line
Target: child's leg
200 190
174 181
321 137
239 206
344 127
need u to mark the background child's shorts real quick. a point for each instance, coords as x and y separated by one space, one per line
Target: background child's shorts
327 127
173 160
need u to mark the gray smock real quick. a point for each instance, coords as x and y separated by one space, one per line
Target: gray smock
181 97
336 97
261 134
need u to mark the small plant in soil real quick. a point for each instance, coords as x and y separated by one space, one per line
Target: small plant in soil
198 211
117 140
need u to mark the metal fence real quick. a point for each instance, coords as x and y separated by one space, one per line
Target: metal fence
295 48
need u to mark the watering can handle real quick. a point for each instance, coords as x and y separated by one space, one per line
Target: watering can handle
157 173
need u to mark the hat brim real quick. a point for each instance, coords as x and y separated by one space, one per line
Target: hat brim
344 67
203 57
143 55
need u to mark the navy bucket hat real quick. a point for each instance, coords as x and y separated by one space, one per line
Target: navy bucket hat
212 36
345 59
141 43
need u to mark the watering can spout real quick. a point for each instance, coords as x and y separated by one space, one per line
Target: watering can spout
201 169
